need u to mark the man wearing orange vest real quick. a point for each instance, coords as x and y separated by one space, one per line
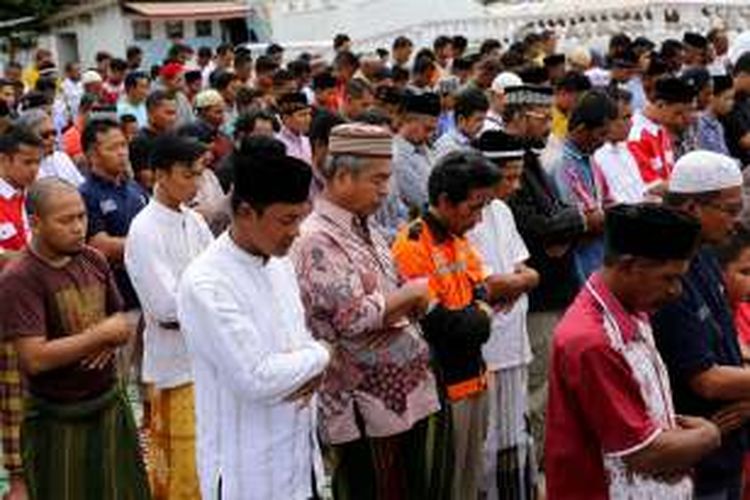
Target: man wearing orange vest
458 320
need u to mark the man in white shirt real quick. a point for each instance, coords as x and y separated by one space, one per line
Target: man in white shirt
509 463
255 365
163 239
614 158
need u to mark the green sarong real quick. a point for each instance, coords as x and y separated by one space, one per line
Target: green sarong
83 451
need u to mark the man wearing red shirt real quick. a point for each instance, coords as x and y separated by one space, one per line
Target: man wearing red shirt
20 155
652 134
611 429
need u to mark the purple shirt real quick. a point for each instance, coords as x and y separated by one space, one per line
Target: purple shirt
297 146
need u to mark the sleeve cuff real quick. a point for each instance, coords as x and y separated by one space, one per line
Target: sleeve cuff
645 443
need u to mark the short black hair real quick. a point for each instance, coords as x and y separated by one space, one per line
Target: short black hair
264 64
460 43
671 47
463 64
282 76
205 51
346 57
399 74
469 101
299 68
573 81
422 64
193 76
743 64
157 97
402 42
133 51
246 122
17 136
223 49
93 129
125 119
620 95
340 39
440 42
489 45
357 88
102 56
274 49
459 173
118 64
593 110
132 79
170 149
221 79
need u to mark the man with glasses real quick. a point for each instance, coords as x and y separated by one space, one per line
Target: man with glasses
550 229
696 334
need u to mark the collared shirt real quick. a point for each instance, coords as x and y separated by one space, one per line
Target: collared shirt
621 173
297 146
160 244
609 397
244 324
451 141
111 207
694 334
125 107
14 225
412 164
497 240
493 121
59 165
582 185
653 149
346 272
635 87
711 134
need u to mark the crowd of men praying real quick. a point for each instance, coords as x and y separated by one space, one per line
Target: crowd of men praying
468 271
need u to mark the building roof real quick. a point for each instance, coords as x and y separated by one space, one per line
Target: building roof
214 10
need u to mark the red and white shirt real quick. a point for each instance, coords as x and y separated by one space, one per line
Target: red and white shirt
609 397
14 225
653 149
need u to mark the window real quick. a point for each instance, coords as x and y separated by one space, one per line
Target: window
142 30
174 29
203 28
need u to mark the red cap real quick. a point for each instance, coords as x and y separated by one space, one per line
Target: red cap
171 70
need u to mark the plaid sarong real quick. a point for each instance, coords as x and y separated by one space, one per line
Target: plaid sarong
83 451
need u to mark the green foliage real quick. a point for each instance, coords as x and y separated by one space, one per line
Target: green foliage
17 8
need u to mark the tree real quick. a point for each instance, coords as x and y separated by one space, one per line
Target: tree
19 8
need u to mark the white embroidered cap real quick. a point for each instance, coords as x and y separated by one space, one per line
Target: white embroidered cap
703 172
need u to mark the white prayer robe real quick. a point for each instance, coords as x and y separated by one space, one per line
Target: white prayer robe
160 245
244 324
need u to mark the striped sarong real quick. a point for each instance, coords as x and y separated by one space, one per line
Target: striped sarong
171 452
83 451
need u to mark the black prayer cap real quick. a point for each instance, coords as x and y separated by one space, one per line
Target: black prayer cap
628 59
425 103
722 83
388 94
263 180
323 81
695 40
554 60
533 75
630 230
292 102
642 44
674 91
500 147
698 78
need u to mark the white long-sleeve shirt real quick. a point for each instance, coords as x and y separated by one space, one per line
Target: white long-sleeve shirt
161 243
245 328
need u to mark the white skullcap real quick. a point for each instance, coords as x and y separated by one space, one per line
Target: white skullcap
208 98
580 56
505 80
91 76
703 172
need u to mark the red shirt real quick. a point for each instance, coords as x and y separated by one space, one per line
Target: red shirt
595 404
14 227
652 148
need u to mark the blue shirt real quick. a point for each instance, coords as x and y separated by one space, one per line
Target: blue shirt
693 334
111 207
711 134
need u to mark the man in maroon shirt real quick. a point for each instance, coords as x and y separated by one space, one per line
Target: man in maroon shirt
611 429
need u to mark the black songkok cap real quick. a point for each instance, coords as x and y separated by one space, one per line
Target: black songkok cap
630 230
500 147
554 60
323 81
674 91
722 83
698 78
695 40
263 180
426 103
292 102
533 75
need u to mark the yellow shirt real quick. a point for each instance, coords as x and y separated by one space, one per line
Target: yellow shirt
559 123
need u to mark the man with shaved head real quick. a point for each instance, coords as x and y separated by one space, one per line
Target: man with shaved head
60 307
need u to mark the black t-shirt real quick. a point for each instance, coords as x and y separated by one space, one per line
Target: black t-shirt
736 126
